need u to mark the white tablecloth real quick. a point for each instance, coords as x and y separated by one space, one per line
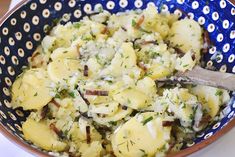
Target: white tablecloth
223 147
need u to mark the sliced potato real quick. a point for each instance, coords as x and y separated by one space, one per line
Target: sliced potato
142 135
158 71
62 69
155 22
61 53
41 135
93 66
48 43
124 60
181 103
105 108
132 98
147 86
94 134
31 90
185 63
186 34
120 114
78 131
91 150
211 98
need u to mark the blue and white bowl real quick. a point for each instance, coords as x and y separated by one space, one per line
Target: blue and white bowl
22 29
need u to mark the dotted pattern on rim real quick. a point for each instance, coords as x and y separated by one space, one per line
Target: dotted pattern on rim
23 30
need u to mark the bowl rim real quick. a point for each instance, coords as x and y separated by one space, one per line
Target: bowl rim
185 152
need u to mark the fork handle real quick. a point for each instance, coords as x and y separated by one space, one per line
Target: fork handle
209 78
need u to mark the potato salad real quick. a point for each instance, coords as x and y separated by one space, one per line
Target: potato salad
93 86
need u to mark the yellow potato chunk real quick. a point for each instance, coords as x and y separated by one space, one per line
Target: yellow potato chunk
142 135
78 131
185 63
61 53
124 60
132 98
120 114
91 150
31 90
211 98
105 108
186 34
181 102
147 86
62 69
158 71
41 135
155 22
94 67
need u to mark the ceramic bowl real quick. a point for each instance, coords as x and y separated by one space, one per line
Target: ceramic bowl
22 29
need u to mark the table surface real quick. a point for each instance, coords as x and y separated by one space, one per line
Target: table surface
221 148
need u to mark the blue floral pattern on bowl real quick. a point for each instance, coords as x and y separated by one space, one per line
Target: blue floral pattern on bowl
23 30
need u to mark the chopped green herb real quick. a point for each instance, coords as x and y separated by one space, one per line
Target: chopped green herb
77 25
100 9
145 31
133 23
57 95
184 105
147 120
132 143
72 94
218 93
191 117
163 148
128 101
121 143
36 94
142 150
178 45
172 35
127 146
153 54
144 153
66 132
149 73
185 65
109 81
113 123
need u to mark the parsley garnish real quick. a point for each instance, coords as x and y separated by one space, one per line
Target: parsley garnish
100 9
147 120
36 94
113 123
218 93
72 94
191 117
185 65
144 153
77 25
133 23
184 105
57 95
